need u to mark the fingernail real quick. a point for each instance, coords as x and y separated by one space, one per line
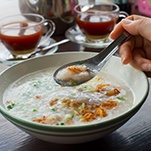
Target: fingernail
149 67
127 21
146 67
123 59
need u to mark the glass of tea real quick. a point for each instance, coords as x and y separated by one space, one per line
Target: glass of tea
97 20
21 33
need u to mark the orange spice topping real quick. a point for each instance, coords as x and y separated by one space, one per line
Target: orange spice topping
110 104
76 69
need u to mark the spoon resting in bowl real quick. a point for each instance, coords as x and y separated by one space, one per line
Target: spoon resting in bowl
76 73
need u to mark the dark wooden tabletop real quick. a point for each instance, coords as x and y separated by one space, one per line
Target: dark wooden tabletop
135 135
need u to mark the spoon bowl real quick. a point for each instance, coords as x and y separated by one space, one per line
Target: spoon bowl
90 67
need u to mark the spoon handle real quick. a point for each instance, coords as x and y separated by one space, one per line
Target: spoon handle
106 54
55 44
46 49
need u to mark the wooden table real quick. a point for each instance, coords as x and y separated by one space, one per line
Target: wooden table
135 135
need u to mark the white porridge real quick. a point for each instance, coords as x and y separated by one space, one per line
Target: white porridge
37 98
73 75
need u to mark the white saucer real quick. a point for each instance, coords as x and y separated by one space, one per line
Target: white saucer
75 35
7 59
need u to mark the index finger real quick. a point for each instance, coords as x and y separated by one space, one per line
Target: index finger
133 24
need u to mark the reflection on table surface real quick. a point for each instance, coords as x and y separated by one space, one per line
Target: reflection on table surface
135 135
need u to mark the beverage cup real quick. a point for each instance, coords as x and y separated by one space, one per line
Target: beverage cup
97 20
22 33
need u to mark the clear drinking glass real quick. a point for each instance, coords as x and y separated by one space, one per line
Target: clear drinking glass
97 20
21 33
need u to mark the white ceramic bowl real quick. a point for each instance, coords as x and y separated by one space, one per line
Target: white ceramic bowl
74 134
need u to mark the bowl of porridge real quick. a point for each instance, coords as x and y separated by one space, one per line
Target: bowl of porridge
35 103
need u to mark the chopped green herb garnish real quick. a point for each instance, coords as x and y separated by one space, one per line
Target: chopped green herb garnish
34 110
69 116
85 87
80 63
36 84
74 84
61 123
10 106
120 98
82 106
72 115
53 109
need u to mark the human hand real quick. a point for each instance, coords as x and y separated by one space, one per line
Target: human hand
137 50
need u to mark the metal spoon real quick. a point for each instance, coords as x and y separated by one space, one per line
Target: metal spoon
44 50
94 64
